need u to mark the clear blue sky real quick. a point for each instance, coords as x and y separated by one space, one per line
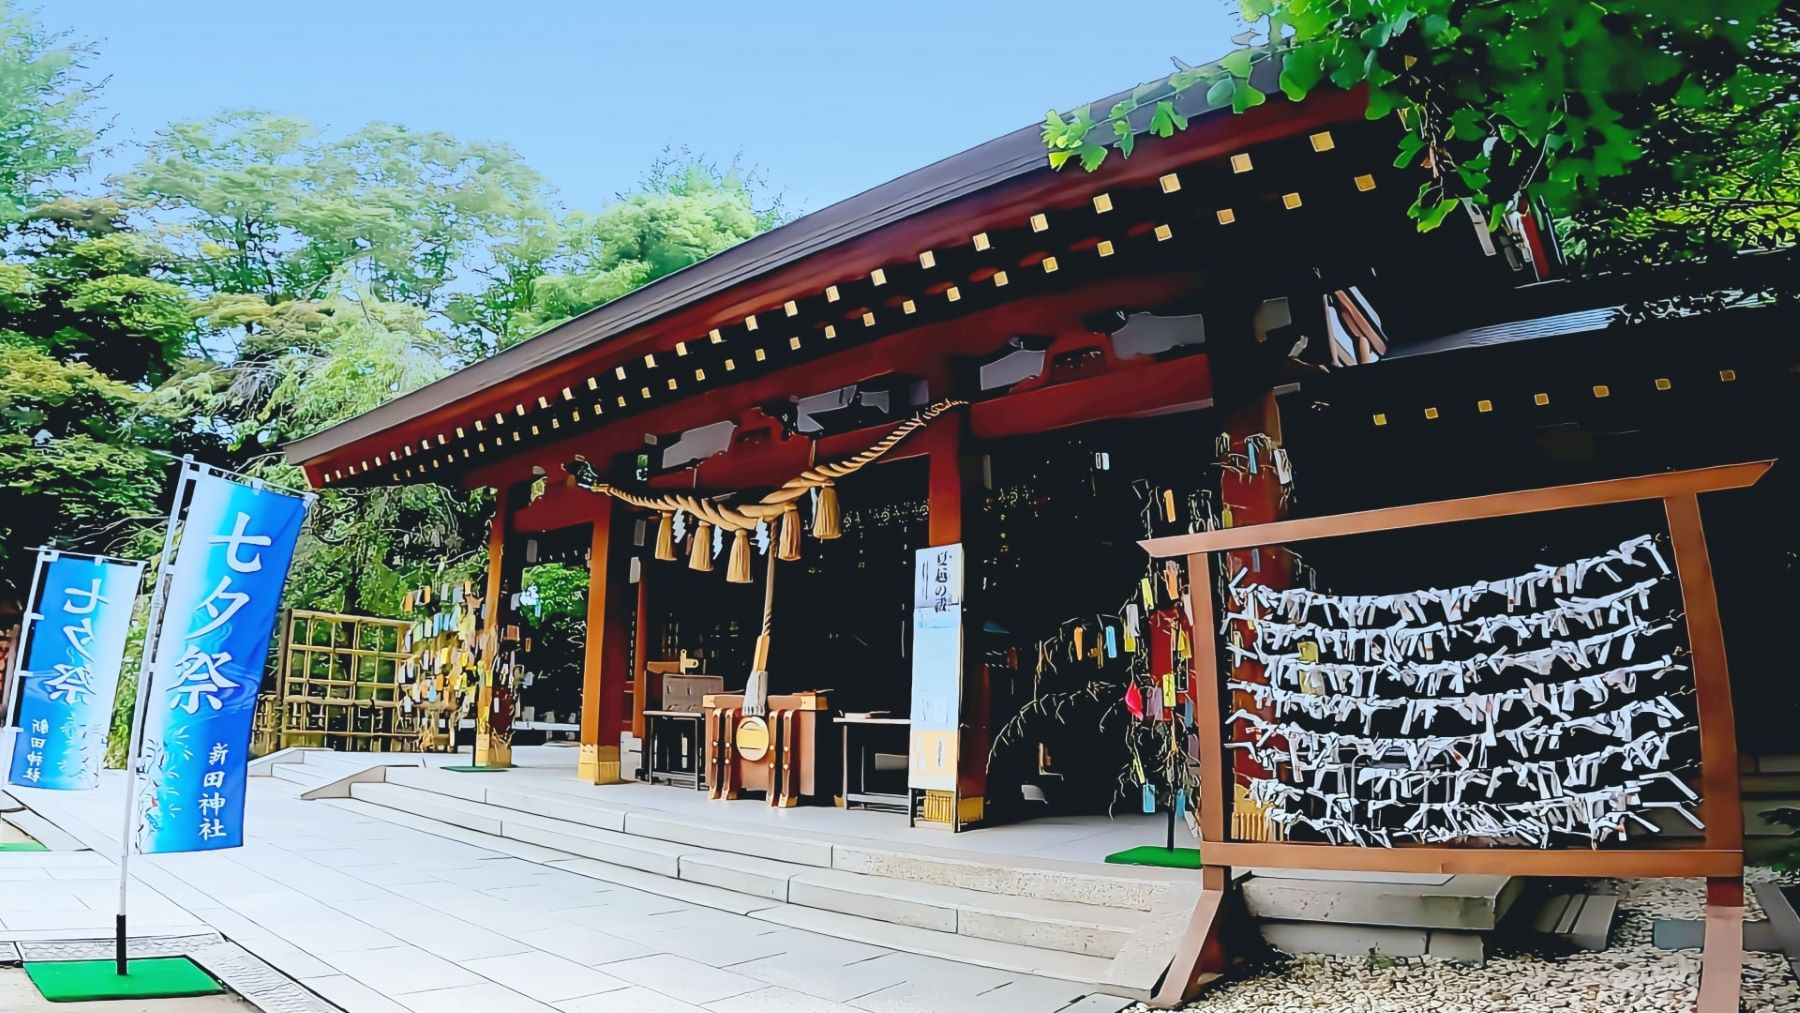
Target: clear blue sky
827 99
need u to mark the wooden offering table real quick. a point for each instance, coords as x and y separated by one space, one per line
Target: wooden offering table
874 752
782 754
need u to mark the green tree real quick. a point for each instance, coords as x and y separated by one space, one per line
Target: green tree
85 286
685 209
74 459
44 129
304 365
272 209
87 320
1587 106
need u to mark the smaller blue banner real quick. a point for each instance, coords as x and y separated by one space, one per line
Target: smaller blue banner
70 670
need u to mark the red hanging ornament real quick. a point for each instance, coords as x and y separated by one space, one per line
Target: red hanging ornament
1134 701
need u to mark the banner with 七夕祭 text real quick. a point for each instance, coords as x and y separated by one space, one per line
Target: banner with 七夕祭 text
224 591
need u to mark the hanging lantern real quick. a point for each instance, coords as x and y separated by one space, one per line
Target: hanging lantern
665 537
737 570
828 520
700 558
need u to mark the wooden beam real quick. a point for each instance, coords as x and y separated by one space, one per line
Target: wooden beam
1185 970
1214 779
1608 862
1506 504
1722 947
599 761
1720 807
1183 384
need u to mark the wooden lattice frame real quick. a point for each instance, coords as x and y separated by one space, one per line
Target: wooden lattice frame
1719 859
345 658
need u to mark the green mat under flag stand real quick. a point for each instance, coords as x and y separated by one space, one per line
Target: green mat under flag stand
98 980
1162 858
464 768
22 846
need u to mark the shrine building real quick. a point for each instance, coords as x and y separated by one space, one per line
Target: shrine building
897 456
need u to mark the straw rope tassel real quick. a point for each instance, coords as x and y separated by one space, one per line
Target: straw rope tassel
700 556
737 570
665 537
788 547
756 690
828 520
714 509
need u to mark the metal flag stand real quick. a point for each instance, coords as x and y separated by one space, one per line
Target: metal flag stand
135 743
15 670
159 593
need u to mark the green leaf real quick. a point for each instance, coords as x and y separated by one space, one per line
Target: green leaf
1059 158
1300 73
1237 63
1255 10
1126 138
1383 101
1092 155
1434 217
1410 145
1162 119
1246 97
1220 93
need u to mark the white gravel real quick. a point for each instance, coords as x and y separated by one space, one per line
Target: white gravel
1630 977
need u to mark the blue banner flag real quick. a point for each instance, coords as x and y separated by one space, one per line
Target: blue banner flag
70 669
224 591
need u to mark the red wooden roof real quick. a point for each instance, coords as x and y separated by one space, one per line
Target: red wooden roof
998 184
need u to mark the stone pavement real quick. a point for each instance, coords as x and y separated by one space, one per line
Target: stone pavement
379 917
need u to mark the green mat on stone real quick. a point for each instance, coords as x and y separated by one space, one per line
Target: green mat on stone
467 769
22 846
1180 858
96 980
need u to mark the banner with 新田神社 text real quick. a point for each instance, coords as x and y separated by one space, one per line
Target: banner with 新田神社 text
223 596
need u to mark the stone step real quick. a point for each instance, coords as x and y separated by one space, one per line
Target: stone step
303 774
558 835
1073 882
714 835
480 788
745 874
1024 920
259 766
662 886
1006 928
951 946
1062 925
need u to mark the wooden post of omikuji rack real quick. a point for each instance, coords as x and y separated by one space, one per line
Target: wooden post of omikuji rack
1720 859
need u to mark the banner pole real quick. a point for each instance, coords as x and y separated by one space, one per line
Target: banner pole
14 676
135 738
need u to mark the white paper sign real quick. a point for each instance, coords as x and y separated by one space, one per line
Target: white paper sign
937 666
